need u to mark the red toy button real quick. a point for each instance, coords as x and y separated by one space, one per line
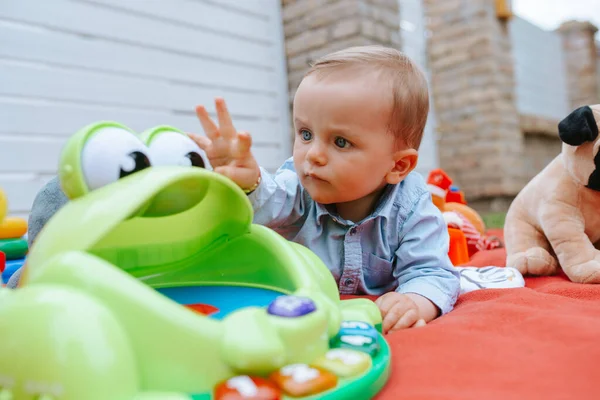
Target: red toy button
245 387
204 309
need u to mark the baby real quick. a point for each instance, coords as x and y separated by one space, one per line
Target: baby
349 192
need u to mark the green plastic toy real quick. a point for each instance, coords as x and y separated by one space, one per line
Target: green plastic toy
152 283
14 248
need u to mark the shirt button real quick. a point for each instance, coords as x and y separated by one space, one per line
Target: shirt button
352 231
348 282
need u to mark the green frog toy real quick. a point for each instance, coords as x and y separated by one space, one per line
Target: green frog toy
152 283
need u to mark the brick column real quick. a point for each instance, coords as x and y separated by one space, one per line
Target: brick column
470 58
581 61
314 28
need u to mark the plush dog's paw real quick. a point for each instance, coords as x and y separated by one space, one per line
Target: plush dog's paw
587 272
534 261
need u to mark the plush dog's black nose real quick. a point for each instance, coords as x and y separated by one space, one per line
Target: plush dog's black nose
594 179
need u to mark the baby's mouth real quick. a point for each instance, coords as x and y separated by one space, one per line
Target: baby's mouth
314 177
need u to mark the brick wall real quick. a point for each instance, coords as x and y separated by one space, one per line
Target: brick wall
314 28
480 141
581 59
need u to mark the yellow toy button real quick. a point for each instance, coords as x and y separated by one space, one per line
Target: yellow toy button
345 362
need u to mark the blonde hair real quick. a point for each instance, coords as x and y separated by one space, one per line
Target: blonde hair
410 104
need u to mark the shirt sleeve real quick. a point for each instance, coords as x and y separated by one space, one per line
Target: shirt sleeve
279 199
422 263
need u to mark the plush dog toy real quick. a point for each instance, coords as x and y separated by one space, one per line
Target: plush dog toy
554 222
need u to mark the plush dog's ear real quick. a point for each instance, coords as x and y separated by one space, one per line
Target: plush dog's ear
578 127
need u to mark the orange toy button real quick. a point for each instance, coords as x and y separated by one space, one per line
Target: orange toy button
299 380
245 387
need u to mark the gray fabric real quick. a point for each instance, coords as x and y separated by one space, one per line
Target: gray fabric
46 203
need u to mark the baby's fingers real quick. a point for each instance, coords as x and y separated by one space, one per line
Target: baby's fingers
393 316
420 323
385 303
210 128
410 318
243 144
202 141
227 129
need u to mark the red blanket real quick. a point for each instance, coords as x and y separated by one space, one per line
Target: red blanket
537 342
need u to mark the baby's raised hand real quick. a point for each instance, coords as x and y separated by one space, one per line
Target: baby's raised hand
399 311
227 149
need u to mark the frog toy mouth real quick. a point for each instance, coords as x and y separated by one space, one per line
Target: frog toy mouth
153 283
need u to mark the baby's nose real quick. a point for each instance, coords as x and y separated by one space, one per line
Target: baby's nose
316 155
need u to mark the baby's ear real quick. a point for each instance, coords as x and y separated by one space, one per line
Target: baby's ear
578 127
405 162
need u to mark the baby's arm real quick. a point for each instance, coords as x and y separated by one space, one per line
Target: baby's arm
423 269
279 199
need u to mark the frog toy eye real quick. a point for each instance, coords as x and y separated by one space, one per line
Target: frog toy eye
100 154
111 154
170 146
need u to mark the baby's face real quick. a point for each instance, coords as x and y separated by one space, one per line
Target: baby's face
342 147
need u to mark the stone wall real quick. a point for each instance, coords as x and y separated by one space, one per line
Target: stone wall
480 141
581 59
540 149
314 28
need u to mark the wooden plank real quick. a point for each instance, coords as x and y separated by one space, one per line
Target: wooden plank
64 119
35 81
26 154
255 7
21 190
115 26
65 49
34 154
197 14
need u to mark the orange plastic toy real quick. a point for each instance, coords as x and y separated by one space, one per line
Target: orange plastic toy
449 198
13 227
458 253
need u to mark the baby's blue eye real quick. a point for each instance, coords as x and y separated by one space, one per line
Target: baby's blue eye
306 135
341 142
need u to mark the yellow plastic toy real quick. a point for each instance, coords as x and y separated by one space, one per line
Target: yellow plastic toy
3 206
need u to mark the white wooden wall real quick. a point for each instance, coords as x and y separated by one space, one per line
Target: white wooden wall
414 44
66 63
540 70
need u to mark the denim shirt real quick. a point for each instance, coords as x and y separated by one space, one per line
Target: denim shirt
401 246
